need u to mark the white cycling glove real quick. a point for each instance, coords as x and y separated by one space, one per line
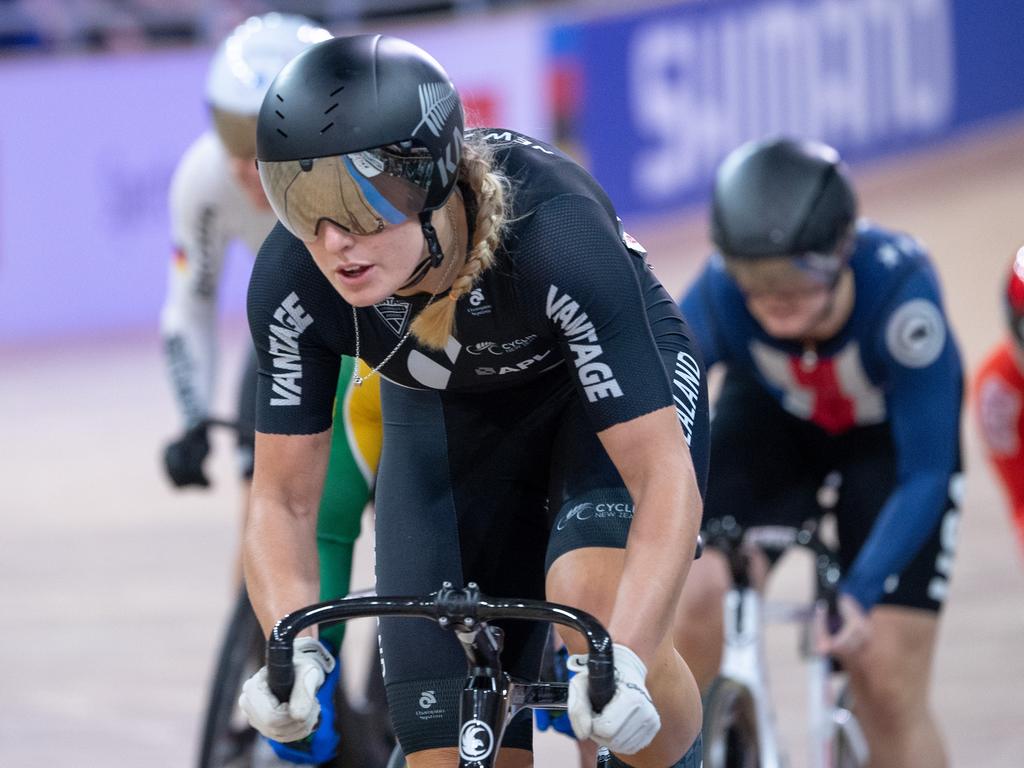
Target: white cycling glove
296 719
629 721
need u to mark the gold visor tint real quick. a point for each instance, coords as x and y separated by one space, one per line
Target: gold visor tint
362 192
237 132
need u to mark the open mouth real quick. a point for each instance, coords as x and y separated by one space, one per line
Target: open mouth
354 272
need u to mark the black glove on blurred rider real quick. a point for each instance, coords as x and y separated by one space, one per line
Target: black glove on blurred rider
183 459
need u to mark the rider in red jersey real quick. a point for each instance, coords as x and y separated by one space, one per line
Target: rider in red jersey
998 394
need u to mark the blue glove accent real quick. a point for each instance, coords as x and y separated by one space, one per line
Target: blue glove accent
547 718
550 718
322 744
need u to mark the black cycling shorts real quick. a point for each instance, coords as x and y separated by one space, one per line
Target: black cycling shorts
490 488
767 467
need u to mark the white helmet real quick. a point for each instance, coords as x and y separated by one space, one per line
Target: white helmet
248 59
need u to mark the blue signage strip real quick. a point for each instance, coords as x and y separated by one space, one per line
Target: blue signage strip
669 91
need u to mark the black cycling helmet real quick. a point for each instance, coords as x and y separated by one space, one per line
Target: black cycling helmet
781 198
1013 299
364 131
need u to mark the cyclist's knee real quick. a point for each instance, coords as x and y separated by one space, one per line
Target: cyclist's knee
691 758
891 677
886 695
445 758
433 758
515 758
698 624
706 585
888 698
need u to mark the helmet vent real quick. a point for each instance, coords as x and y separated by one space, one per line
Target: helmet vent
279 97
327 127
337 90
331 108
278 113
282 133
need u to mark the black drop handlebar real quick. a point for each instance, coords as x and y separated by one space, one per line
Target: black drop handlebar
463 610
728 536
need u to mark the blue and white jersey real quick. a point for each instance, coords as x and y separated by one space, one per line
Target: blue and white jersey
895 361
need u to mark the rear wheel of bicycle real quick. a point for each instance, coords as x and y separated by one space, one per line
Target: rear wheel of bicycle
730 726
228 741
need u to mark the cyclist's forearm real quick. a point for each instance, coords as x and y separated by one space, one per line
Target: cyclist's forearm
190 350
280 560
904 524
659 552
655 465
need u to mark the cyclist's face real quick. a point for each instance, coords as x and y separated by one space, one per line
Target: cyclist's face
366 269
789 314
248 177
786 295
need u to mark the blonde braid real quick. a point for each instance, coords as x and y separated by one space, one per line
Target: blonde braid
436 322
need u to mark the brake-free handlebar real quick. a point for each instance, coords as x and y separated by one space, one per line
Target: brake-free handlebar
727 535
458 609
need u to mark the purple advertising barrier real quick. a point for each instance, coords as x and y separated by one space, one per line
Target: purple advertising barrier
86 156
89 146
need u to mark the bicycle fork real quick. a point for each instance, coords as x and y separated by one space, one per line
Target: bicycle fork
744 661
827 718
821 727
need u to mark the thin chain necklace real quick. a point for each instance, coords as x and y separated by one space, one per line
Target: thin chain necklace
358 380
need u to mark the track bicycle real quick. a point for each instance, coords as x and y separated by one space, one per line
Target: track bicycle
228 741
739 723
490 697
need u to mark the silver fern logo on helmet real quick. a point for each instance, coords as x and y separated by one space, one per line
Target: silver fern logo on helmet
437 100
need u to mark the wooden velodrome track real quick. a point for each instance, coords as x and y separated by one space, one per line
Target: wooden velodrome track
113 588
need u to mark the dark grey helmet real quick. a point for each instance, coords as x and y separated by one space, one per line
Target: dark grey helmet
781 197
361 92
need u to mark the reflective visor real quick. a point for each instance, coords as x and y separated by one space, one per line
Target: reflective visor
362 192
237 132
807 273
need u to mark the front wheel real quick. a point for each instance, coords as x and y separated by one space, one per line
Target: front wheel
730 726
849 747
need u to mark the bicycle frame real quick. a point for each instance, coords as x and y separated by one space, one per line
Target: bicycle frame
827 717
744 656
744 661
490 697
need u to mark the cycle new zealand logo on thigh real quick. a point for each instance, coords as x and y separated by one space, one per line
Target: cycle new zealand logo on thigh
590 511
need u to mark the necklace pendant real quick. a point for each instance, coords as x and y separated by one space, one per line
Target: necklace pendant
357 380
809 359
